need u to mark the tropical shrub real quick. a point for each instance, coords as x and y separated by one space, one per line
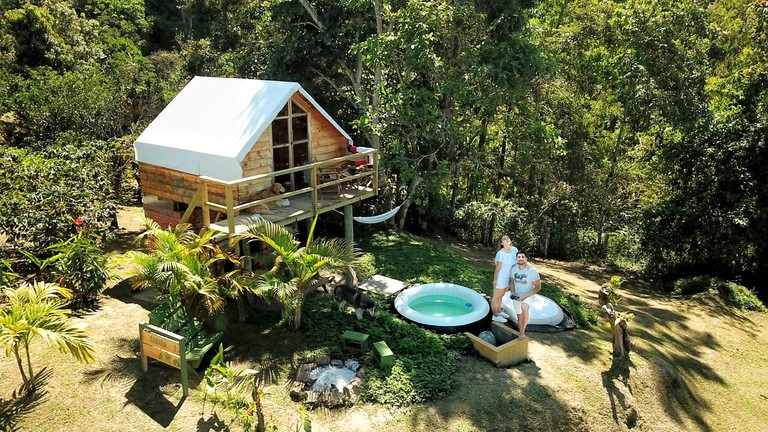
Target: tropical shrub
732 292
179 264
295 271
80 265
38 310
44 193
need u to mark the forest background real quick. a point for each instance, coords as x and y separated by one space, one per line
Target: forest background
634 133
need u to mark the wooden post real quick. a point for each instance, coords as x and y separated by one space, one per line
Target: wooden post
165 347
313 183
230 203
206 209
622 344
376 173
349 232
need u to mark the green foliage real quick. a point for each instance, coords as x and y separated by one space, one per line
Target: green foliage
741 296
241 391
584 314
6 273
693 285
45 194
425 363
736 294
179 264
80 265
38 311
295 271
472 219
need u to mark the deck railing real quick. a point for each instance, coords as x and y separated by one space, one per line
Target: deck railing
200 198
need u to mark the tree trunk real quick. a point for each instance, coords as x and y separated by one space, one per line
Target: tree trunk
31 382
407 203
24 378
622 344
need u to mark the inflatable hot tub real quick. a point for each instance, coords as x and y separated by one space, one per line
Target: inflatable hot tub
443 307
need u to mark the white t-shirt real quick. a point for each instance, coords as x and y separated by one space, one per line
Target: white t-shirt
524 279
507 260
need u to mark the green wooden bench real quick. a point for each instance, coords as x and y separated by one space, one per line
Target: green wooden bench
383 354
175 338
355 340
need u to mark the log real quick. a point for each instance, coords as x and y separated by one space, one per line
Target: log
622 344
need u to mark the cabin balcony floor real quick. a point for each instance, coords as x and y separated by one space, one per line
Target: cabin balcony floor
300 207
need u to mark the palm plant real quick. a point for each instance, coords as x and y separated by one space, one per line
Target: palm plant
39 310
178 263
295 271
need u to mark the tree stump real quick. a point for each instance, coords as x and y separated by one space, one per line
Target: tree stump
622 344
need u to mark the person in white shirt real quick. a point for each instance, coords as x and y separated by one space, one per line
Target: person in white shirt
527 283
505 260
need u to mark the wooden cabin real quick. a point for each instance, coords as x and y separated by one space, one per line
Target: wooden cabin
222 141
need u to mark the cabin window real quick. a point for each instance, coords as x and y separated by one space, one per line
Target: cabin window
290 145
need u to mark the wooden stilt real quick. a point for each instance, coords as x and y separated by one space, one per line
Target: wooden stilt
349 232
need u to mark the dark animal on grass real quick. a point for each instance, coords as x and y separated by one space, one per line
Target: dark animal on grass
344 294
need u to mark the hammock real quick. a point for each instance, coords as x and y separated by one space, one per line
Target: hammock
378 218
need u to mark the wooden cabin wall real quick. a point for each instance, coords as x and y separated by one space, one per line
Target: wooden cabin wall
327 141
174 185
257 161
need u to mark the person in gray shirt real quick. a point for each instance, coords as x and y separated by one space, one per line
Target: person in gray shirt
526 283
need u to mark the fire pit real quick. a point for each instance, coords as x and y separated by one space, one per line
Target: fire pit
327 382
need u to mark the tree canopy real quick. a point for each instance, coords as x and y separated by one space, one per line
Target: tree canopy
629 132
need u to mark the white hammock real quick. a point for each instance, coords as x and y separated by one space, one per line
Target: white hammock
378 218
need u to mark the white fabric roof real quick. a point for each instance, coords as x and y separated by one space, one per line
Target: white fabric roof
211 125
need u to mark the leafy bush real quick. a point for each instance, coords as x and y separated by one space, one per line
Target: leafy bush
425 363
81 266
692 285
736 294
741 296
44 193
584 314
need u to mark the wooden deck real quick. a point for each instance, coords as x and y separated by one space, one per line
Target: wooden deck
300 208
332 186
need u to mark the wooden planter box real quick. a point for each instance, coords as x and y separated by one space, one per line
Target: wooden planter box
512 350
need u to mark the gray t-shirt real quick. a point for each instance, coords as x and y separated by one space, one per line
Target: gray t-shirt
524 279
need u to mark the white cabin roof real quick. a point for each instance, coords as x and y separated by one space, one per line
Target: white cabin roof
210 126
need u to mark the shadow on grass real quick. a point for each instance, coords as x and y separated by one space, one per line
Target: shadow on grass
622 405
122 291
152 391
22 402
491 399
212 423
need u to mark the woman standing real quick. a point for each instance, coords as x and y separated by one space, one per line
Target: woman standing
505 260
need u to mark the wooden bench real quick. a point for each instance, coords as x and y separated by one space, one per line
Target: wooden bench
355 340
383 354
176 338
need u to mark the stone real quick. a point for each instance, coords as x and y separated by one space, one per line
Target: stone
304 370
313 396
352 364
352 392
360 372
298 392
323 360
334 397
337 363
488 336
